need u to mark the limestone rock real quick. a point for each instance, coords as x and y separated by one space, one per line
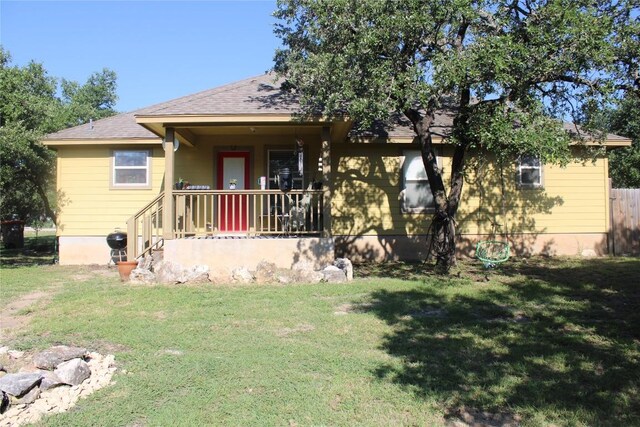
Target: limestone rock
303 265
15 354
284 278
266 272
309 276
345 265
589 253
146 263
170 272
50 380
242 275
19 384
333 274
4 350
156 257
141 276
4 402
73 372
167 272
29 397
51 358
196 274
2 368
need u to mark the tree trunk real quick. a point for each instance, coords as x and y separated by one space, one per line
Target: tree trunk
47 207
442 230
441 239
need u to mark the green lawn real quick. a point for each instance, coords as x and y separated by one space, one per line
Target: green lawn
539 341
38 249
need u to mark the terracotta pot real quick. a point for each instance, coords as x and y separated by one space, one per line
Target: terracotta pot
125 268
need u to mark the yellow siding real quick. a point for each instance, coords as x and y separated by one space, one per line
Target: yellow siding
89 207
366 197
87 204
366 189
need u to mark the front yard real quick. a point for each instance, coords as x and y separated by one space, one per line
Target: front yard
537 342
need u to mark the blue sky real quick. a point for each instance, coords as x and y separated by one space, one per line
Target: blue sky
159 49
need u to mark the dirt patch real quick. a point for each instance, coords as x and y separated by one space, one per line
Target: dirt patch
17 314
465 417
106 347
305 327
343 309
90 271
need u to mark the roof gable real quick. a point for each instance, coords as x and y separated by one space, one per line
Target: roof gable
255 95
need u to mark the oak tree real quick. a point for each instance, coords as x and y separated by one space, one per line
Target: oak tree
30 107
509 70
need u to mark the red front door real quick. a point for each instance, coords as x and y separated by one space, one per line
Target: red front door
233 175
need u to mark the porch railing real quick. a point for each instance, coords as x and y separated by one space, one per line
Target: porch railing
144 229
203 213
247 212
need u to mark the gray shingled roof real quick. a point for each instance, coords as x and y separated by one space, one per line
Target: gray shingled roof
255 95
115 127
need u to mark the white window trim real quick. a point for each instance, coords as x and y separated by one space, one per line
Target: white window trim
135 186
522 167
403 181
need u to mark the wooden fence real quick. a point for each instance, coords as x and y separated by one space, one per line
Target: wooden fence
625 221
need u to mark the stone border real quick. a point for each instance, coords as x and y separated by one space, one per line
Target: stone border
53 383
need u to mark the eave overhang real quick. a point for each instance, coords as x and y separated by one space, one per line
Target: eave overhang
186 125
101 141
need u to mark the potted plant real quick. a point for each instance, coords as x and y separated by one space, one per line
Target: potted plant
232 184
179 185
125 268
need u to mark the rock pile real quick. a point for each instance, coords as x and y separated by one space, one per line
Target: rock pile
52 383
163 271
151 271
268 272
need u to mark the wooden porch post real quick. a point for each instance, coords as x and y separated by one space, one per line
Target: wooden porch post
168 208
326 178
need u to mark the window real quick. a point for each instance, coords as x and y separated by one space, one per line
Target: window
529 171
131 168
278 159
416 194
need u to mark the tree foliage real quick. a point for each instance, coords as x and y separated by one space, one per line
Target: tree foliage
624 164
508 71
30 107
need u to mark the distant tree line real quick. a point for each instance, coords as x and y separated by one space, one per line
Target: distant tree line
33 104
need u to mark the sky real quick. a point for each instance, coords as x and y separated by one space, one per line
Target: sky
160 50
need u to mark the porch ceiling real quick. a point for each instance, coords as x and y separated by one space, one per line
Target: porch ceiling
189 133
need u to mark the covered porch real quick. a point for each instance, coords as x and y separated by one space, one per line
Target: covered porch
223 196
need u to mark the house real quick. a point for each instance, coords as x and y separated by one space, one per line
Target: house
200 177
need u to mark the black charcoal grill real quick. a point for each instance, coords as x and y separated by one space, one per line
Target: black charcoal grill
117 241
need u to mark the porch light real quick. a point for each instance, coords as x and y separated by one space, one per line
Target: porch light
176 144
300 149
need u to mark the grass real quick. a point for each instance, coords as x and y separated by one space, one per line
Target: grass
38 249
537 342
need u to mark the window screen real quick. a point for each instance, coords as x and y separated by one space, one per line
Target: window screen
416 193
130 168
279 159
529 171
